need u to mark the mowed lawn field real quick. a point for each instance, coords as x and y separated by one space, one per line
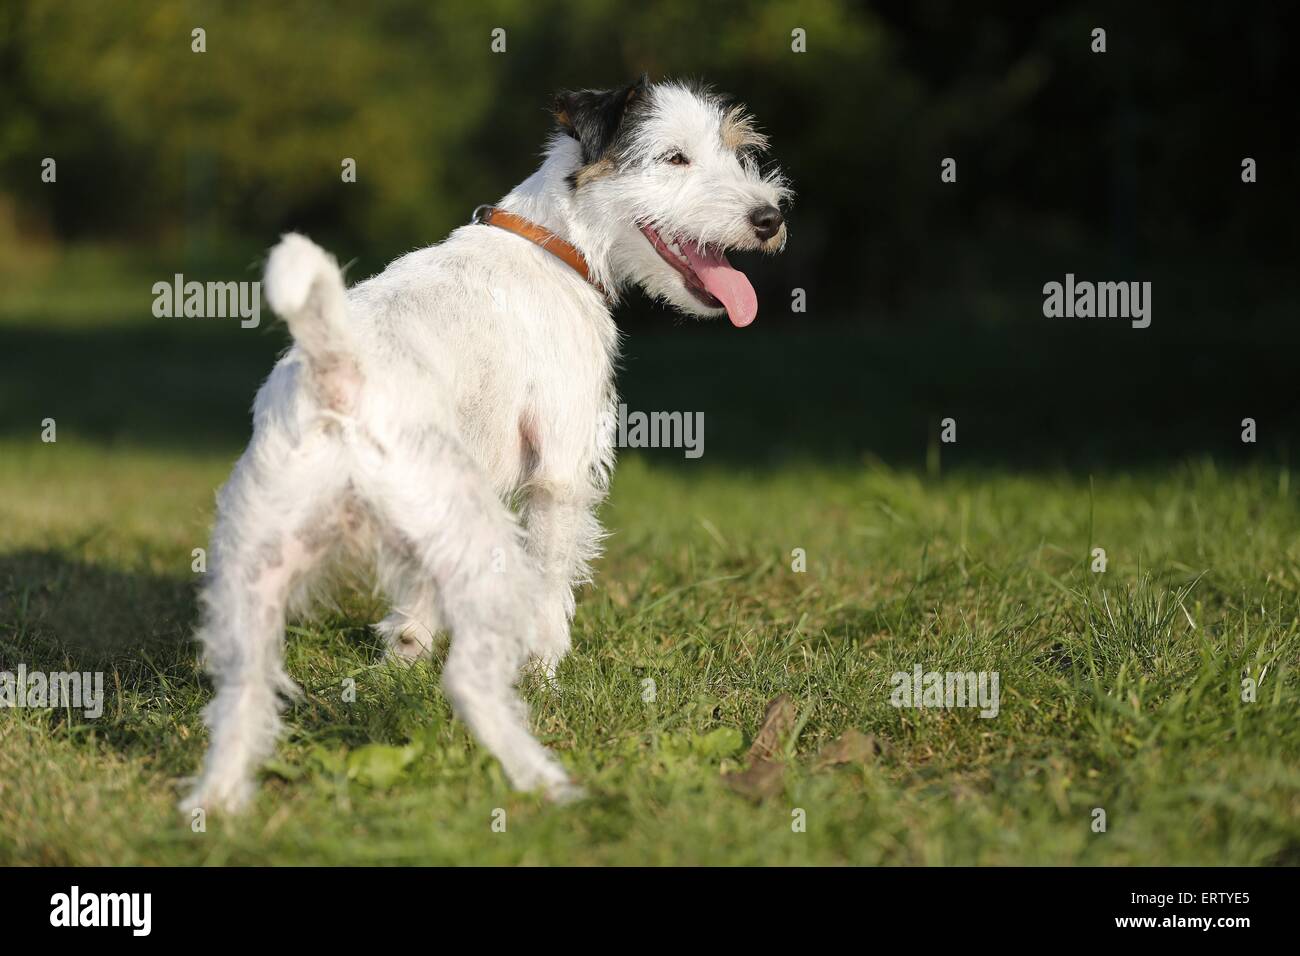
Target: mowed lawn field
1120 691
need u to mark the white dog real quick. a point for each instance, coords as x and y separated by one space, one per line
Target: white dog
414 406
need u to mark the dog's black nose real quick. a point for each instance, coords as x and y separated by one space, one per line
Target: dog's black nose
767 221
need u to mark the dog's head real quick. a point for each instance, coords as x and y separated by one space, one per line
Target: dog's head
666 181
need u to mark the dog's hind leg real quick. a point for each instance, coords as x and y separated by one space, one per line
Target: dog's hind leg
410 631
438 515
276 517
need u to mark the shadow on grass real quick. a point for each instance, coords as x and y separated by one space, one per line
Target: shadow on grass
63 615
163 384
1069 395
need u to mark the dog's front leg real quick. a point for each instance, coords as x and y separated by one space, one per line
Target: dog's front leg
563 536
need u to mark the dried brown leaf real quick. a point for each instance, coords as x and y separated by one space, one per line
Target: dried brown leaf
769 742
852 747
764 779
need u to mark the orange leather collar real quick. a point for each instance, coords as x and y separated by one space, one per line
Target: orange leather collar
566 252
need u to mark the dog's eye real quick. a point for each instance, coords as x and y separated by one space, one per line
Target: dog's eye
677 159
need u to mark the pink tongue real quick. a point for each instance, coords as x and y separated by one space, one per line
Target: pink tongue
729 286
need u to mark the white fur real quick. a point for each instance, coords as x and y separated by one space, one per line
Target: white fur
413 406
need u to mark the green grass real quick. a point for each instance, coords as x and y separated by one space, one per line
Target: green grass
1119 691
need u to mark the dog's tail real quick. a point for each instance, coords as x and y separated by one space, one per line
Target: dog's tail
305 288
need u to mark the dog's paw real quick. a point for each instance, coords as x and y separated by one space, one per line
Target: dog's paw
216 796
565 792
543 668
405 639
546 776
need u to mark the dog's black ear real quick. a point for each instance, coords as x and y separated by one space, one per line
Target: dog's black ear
593 117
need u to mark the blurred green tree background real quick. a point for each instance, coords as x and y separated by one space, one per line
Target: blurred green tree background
922 297
1061 151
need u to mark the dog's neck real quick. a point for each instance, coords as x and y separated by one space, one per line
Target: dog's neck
547 198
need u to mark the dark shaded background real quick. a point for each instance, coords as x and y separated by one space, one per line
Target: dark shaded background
924 298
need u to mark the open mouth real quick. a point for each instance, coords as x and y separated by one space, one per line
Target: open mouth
708 276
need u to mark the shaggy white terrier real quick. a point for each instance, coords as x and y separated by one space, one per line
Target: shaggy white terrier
412 407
